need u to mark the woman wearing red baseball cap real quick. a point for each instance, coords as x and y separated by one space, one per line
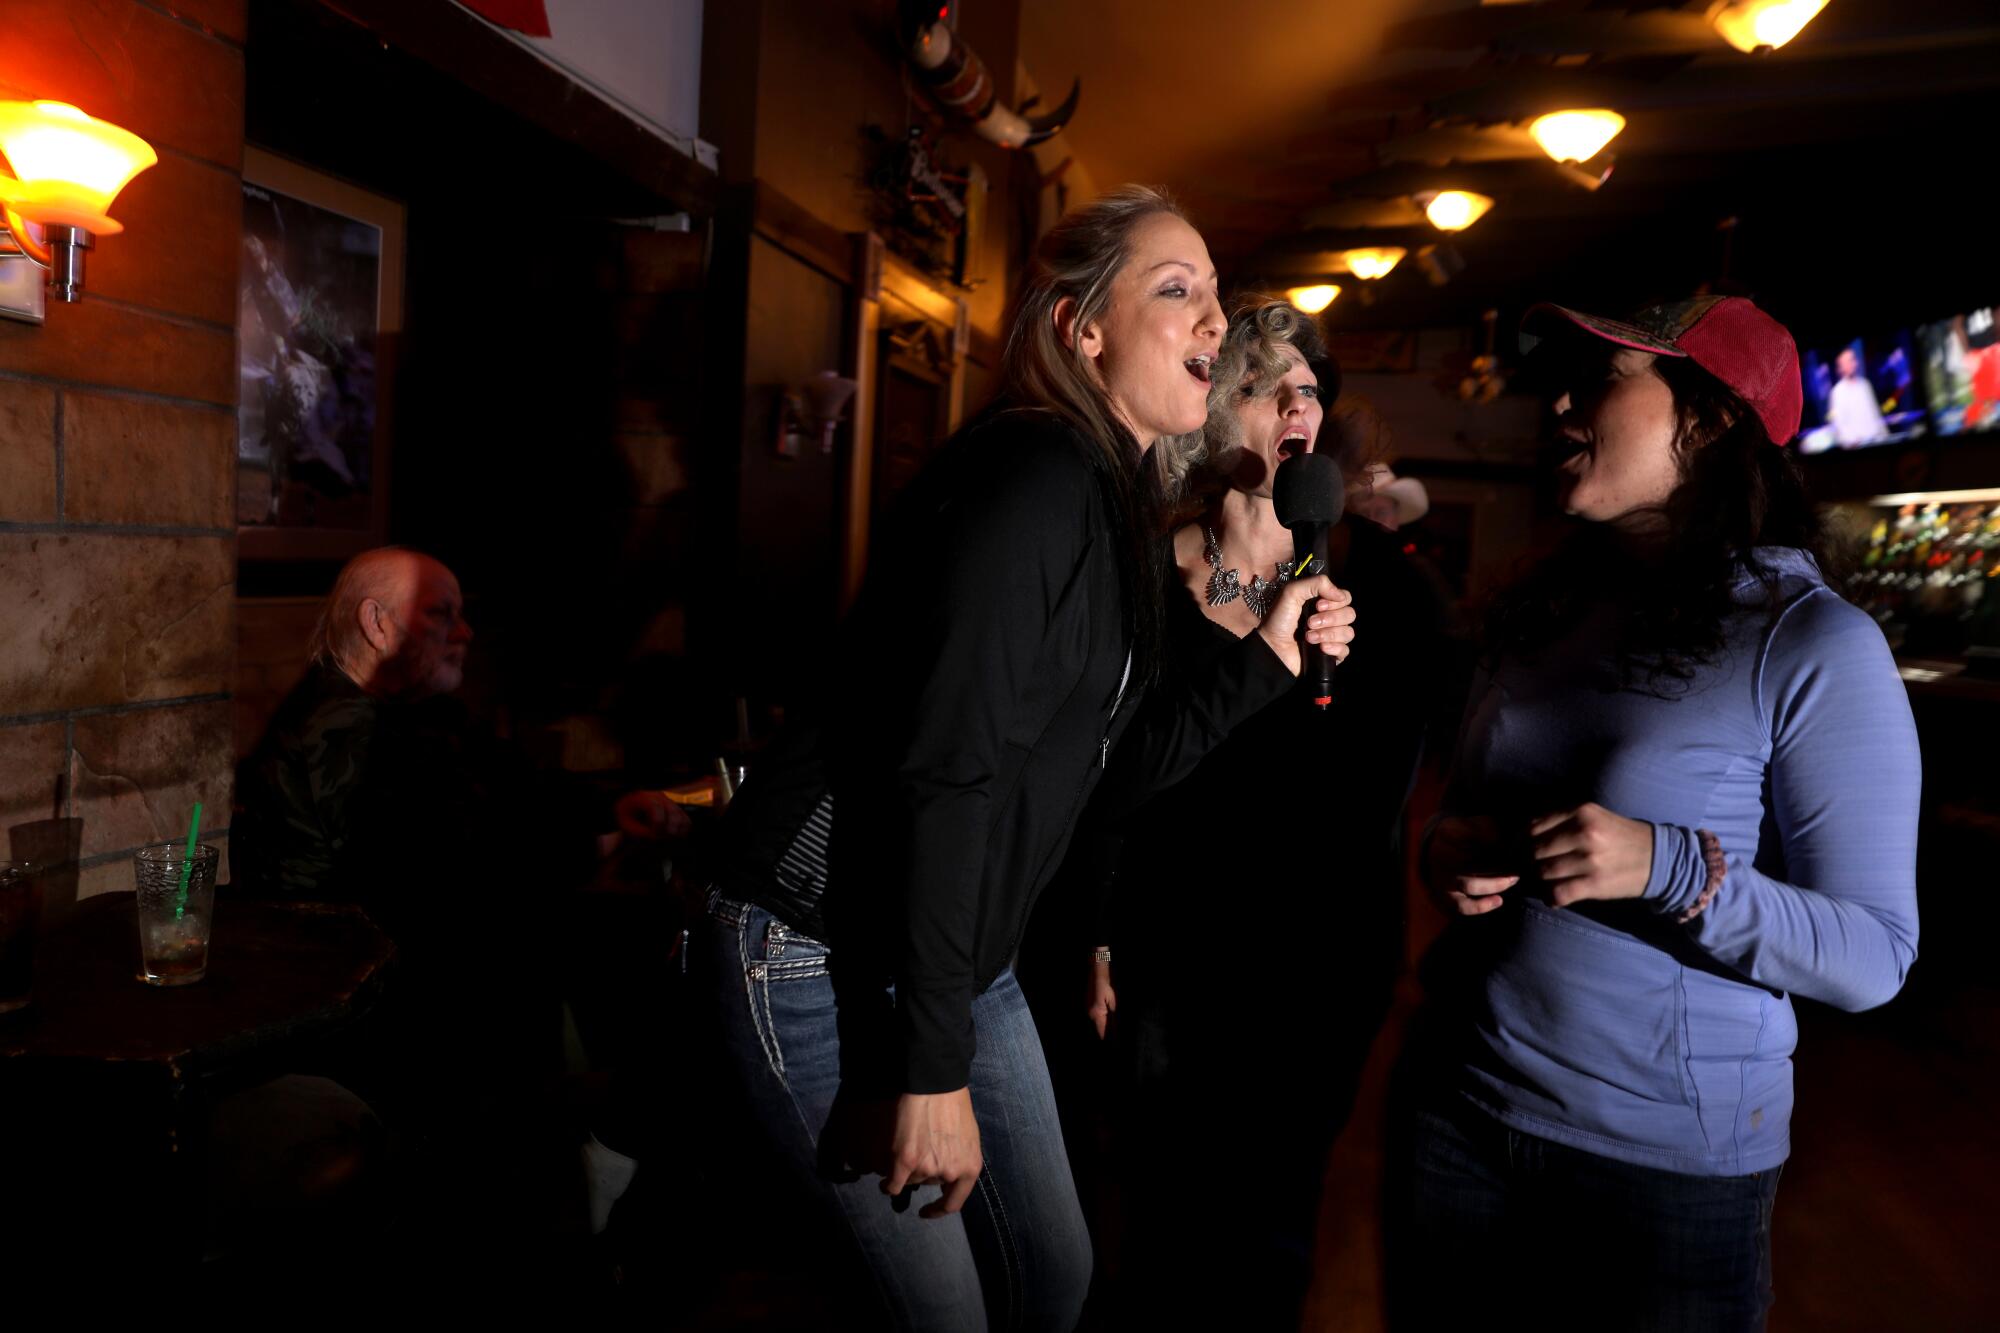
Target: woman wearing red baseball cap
1686 790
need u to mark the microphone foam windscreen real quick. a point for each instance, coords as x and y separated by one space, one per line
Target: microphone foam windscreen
1308 488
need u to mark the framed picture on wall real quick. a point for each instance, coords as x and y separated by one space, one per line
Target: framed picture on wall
319 319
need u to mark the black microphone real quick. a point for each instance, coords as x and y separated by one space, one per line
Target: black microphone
1309 494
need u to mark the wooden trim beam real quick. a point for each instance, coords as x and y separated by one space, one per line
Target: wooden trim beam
789 226
859 484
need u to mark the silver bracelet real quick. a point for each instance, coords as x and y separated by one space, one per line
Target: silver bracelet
1101 954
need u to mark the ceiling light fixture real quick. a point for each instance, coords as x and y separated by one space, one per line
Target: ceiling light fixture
1313 299
68 167
1453 210
1763 25
1590 176
1576 136
1373 262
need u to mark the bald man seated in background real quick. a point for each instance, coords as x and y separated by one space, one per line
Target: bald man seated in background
369 768
374 786
391 637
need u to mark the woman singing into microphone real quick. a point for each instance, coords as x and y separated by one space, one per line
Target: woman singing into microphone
1239 948
881 863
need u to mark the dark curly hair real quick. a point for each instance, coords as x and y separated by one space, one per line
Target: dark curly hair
1737 492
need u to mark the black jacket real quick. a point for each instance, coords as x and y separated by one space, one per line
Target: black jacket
395 805
450 839
1302 806
977 700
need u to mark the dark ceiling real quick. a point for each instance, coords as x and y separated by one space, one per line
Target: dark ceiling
1855 162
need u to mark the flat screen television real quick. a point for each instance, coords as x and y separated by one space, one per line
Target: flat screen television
1862 393
1961 370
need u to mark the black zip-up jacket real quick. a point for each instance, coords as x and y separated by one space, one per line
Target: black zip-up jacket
981 686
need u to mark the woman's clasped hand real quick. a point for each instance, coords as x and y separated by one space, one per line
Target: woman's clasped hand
1583 854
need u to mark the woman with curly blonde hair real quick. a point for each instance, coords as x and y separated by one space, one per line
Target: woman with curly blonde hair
1254 927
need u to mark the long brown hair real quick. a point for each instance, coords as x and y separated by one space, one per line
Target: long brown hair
1079 260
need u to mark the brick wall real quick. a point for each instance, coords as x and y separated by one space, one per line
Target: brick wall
117 444
272 638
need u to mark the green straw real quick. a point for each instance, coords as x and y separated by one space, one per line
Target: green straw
187 865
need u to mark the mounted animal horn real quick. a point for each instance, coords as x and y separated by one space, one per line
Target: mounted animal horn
956 77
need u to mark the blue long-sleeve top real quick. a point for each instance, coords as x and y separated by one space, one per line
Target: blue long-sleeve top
1618 1028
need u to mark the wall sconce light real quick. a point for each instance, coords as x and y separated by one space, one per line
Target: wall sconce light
1312 299
1762 25
1453 210
1374 262
812 407
68 167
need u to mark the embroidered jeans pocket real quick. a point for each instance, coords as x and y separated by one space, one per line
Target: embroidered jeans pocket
784 980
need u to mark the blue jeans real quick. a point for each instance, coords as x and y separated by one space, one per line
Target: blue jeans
1018 1256
1491 1226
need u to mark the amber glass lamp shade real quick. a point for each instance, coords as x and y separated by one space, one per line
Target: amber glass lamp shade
1313 299
1576 136
1373 262
1763 25
67 166
1454 210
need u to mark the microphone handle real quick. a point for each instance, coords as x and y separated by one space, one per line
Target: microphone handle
1315 667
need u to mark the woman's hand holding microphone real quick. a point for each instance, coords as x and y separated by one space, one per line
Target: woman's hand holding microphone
1328 611
1329 620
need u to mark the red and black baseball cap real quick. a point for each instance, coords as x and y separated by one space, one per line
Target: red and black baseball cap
1727 336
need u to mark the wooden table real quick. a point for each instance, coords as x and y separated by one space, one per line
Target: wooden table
104 1081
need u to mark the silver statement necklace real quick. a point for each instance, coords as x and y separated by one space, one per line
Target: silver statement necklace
1226 585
